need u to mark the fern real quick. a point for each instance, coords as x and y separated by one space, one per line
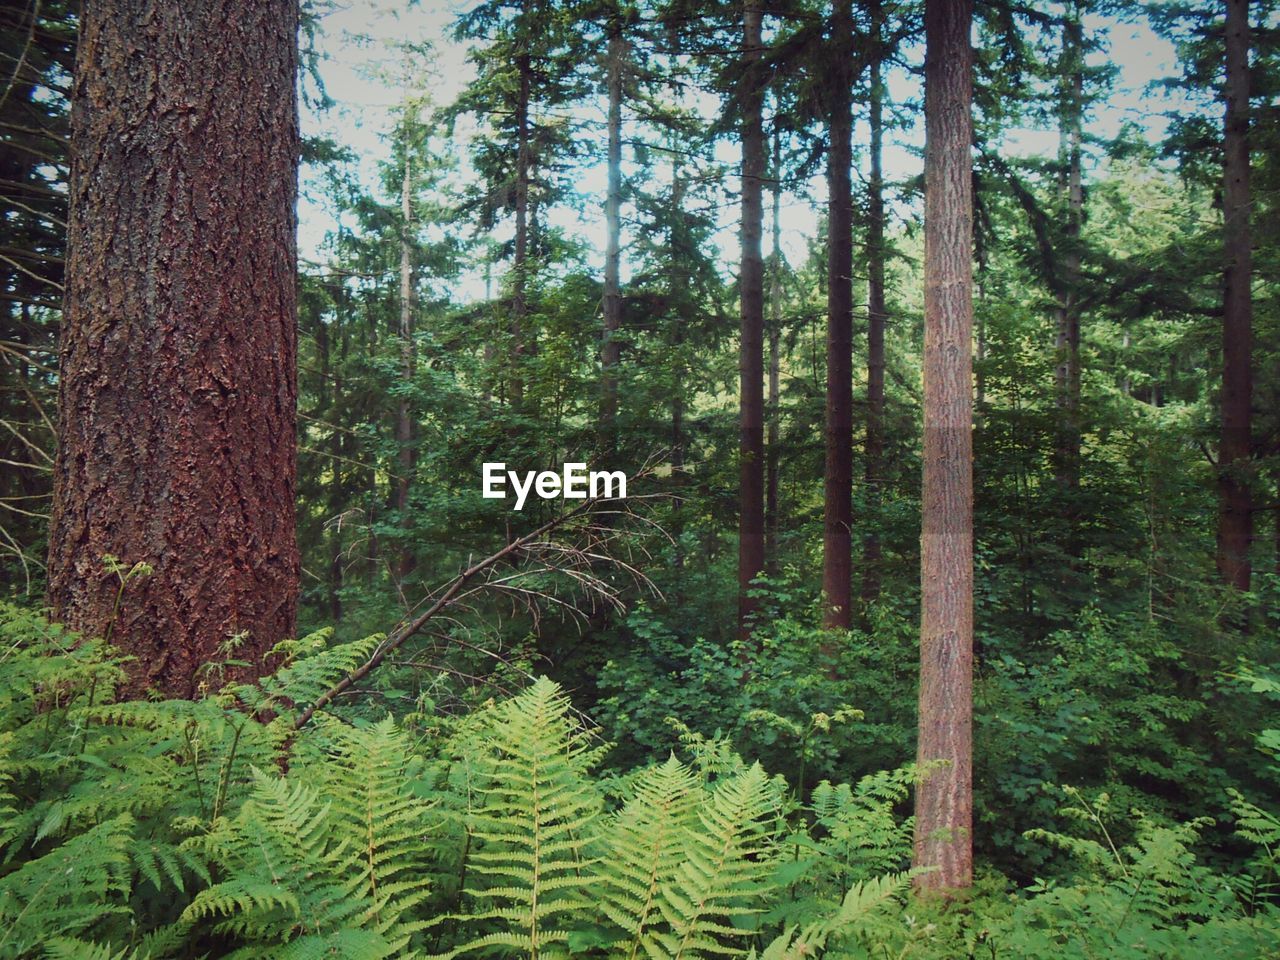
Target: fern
535 810
724 872
645 841
68 890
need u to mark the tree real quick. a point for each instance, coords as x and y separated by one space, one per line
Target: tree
1235 517
1067 311
837 557
876 311
610 347
944 800
751 328
406 459
178 383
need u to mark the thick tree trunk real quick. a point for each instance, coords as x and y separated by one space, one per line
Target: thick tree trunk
773 454
1067 312
944 801
178 385
406 460
1235 519
837 546
751 348
876 318
609 345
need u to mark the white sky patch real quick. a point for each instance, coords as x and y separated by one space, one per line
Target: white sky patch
362 70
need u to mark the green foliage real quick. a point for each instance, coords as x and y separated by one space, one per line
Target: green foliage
168 829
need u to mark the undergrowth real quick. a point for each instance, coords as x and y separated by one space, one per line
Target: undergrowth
213 828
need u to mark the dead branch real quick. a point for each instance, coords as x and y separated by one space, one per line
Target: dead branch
552 559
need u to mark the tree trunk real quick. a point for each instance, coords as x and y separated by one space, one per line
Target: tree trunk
876 317
944 801
609 345
773 455
1235 519
751 348
1067 312
178 388
837 556
519 262
678 292
406 461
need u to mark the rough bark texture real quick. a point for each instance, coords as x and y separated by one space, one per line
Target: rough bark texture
1067 312
406 461
1235 520
944 801
773 454
609 345
178 386
837 514
876 318
751 347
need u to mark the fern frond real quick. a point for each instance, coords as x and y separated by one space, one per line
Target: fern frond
536 811
725 871
67 890
643 847
62 948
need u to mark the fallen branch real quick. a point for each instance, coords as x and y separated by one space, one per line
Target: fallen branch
453 593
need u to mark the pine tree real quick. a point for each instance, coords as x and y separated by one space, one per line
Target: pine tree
944 800
178 383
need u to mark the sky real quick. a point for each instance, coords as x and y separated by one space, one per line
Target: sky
361 69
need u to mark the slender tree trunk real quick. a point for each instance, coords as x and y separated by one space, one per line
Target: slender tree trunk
1067 312
406 459
773 456
1235 518
944 801
609 345
519 262
678 291
178 388
876 318
751 347
837 556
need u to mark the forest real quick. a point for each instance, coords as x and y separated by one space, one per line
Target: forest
667 479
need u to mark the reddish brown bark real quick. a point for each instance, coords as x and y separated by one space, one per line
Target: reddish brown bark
944 800
178 385
876 318
609 345
520 257
751 328
837 546
1235 518
774 458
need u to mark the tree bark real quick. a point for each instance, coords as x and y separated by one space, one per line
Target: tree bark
519 261
751 347
944 800
178 386
609 344
1235 518
406 460
773 456
837 545
1067 341
877 316
678 291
